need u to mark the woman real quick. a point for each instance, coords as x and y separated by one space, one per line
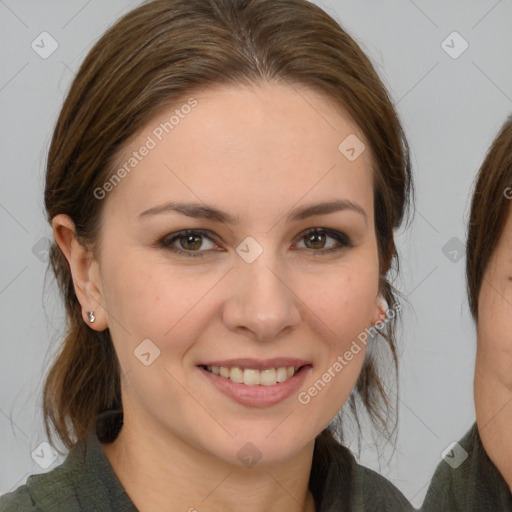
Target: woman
223 184
479 478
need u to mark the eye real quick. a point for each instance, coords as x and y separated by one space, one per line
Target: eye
189 242
316 238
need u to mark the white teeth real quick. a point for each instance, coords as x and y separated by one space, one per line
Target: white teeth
282 374
253 377
236 375
268 377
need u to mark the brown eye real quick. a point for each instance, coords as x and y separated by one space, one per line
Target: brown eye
316 239
189 243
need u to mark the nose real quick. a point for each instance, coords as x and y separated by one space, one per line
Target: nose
261 301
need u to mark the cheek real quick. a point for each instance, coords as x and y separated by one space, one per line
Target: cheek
341 309
145 291
144 300
495 318
345 299
494 331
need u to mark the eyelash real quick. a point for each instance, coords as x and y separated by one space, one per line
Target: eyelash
168 240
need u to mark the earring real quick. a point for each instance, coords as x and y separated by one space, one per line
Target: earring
383 304
91 316
384 308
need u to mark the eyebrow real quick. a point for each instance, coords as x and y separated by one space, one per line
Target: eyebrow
204 211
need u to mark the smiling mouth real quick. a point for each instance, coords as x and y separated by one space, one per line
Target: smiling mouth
254 377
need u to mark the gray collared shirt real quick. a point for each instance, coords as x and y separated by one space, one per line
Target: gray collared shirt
85 481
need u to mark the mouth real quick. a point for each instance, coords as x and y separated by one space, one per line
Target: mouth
256 383
253 376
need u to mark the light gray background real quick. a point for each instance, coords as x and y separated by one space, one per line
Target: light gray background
451 110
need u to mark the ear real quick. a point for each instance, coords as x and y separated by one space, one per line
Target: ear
84 270
380 311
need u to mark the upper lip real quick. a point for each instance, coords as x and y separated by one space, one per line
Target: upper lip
258 364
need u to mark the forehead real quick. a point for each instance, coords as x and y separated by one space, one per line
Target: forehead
266 143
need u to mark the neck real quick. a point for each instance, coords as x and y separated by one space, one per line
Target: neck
161 473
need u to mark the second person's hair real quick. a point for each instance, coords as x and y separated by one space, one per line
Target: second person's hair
490 207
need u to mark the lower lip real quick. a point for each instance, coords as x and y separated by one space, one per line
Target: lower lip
258 396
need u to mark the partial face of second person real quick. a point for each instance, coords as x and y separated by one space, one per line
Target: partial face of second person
256 154
493 375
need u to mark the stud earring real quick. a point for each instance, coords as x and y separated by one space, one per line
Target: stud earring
384 308
91 316
383 303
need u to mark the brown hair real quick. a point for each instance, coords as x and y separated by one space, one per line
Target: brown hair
155 56
489 211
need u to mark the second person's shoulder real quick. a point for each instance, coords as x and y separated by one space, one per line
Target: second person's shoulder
467 480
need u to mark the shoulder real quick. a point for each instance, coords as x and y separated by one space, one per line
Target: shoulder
85 481
340 483
447 483
467 480
18 500
51 491
373 492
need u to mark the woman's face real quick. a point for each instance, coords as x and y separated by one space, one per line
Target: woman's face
247 289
